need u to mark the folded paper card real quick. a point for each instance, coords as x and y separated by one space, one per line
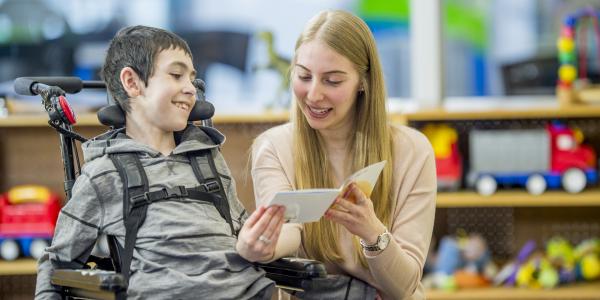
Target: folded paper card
309 205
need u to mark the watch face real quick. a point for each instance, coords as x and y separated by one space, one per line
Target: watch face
383 241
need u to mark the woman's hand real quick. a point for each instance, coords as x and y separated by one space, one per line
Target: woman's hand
357 216
259 234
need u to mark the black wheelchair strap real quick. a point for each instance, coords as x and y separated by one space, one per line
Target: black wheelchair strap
178 192
135 183
137 197
203 166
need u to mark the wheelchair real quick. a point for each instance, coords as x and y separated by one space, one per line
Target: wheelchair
103 279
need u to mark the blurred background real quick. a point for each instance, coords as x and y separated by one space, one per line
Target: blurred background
498 69
235 40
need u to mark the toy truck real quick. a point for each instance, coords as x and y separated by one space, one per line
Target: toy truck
27 219
535 158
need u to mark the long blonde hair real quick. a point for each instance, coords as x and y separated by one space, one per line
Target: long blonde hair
349 36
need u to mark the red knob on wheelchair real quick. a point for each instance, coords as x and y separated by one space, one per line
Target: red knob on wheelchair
65 110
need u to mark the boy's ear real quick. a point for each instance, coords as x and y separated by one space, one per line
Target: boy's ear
130 81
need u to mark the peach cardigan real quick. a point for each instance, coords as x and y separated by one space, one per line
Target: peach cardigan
395 272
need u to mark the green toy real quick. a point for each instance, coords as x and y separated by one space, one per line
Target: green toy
279 64
560 252
548 276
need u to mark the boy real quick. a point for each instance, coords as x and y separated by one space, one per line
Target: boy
186 240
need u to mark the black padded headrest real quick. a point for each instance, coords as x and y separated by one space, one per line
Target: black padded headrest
112 115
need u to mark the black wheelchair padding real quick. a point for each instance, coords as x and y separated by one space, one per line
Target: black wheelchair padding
113 115
137 197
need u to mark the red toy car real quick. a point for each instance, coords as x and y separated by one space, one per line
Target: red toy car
27 218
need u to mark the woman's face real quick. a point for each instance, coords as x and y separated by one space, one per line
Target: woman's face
325 84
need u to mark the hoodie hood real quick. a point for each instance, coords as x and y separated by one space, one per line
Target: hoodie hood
192 138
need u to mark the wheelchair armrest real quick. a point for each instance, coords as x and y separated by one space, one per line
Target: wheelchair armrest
97 284
290 272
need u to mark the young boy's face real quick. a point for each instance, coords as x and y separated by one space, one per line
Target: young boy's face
167 100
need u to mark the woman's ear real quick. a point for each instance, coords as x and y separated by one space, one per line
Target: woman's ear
130 81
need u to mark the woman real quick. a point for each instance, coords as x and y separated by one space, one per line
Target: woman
340 125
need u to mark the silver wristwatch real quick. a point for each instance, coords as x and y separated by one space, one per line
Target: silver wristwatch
382 242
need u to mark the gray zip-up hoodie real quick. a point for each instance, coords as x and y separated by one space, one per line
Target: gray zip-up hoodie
184 249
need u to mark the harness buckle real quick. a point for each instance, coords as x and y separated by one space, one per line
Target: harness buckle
164 193
140 199
211 186
174 192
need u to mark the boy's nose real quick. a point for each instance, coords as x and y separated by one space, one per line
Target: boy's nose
189 88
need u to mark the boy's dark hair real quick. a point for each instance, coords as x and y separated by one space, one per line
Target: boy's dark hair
136 47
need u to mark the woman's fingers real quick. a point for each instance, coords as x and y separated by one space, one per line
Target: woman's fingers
339 216
275 235
344 204
261 225
257 242
255 216
357 194
275 223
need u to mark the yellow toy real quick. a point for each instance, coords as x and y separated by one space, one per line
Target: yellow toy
588 254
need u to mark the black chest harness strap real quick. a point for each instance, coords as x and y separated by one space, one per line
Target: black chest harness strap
205 170
137 197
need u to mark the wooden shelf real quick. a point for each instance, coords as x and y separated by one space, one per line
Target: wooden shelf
18 267
502 109
40 120
90 119
576 291
505 198
438 114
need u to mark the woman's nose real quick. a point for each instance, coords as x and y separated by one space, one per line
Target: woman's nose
314 92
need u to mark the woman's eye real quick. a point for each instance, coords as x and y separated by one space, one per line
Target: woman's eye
304 77
334 82
175 75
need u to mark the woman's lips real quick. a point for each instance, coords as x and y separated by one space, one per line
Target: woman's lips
318 113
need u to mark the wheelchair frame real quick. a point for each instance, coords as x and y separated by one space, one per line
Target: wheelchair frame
288 273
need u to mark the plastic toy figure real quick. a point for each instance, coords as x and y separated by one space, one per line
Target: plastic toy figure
573 85
535 158
448 161
536 273
27 219
560 264
561 255
461 262
508 273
